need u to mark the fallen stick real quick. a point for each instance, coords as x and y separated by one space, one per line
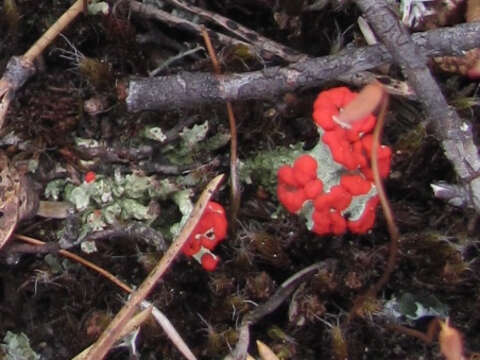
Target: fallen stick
108 337
455 134
187 89
256 44
20 69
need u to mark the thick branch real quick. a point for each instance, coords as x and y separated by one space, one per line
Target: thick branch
191 89
455 134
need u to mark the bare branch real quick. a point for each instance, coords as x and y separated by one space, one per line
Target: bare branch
455 134
187 89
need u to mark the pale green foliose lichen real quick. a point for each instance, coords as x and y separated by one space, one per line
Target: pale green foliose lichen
95 8
17 347
194 135
409 307
95 221
78 196
215 142
185 205
132 209
112 200
154 133
88 247
111 213
136 186
54 188
89 143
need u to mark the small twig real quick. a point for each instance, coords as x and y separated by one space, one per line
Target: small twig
456 135
372 292
163 321
187 89
260 43
284 291
387 210
133 324
20 69
235 194
150 11
426 337
80 260
85 7
256 43
171 60
47 38
134 229
106 340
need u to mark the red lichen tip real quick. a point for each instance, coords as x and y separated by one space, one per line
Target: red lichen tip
192 246
346 125
209 261
327 222
328 104
290 190
292 198
90 177
337 198
210 230
286 176
304 169
355 184
366 221
313 188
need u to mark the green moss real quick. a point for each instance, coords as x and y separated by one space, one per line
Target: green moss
262 168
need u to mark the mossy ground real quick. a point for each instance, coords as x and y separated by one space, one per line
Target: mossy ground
61 311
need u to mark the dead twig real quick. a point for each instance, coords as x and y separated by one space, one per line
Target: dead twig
162 320
235 194
260 43
284 291
255 43
107 339
455 134
371 97
69 255
20 69
387 209
192 89
47 38
134 323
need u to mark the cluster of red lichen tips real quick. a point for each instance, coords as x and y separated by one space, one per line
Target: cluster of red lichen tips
332 185
209 232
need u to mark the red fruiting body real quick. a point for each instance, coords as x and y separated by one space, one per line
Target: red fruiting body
328 104
313 189
209 261
286 176
304 169
90 177
350 146
338 198
192 246
355 184
298 183
367 219
291 197
210 230
328 222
